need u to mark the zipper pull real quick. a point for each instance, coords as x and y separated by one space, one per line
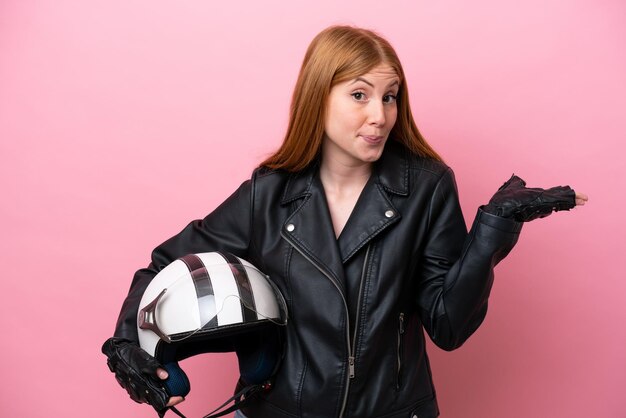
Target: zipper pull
351 367
401 329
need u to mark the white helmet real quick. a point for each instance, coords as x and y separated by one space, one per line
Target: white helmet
202 298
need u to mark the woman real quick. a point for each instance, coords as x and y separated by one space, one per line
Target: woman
357 221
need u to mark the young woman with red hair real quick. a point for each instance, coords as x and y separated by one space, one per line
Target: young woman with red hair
357 221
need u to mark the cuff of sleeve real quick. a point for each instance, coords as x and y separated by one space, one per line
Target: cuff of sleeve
498 222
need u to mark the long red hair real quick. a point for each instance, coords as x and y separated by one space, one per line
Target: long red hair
337 54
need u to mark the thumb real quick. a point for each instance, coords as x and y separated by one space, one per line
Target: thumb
161 373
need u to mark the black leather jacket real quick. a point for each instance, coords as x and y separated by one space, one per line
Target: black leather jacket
404 262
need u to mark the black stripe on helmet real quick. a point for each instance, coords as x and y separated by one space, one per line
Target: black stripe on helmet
204 287
248 306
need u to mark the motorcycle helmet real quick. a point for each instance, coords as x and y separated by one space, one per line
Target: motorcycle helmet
212 302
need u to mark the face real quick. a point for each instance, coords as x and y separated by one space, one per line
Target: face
360 114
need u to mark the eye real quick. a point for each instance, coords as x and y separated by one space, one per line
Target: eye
389 98
358 96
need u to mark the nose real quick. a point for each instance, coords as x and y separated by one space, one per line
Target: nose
376 114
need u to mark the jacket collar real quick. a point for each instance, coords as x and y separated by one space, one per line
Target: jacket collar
392 169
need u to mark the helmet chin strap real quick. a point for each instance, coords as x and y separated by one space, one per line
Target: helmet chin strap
239 399
173 409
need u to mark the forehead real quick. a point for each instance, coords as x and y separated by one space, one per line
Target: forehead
381 73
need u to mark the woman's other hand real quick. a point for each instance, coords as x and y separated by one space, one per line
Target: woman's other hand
514 200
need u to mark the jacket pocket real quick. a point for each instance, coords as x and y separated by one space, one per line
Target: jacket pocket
400 351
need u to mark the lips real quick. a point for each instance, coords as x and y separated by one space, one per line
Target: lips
373 139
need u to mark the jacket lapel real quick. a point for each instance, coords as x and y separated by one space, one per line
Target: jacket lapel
374 212
309 228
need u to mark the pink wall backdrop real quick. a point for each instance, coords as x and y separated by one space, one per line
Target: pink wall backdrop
120 121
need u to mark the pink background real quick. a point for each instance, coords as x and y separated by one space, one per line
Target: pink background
120 121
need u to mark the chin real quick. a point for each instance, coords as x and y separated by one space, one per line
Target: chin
373 155
370 158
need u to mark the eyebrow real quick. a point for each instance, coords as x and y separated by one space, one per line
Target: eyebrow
395 82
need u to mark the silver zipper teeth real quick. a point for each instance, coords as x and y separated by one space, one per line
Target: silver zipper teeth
345 304
358 306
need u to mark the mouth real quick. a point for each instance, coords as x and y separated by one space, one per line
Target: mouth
373 139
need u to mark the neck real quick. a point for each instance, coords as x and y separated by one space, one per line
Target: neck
338 176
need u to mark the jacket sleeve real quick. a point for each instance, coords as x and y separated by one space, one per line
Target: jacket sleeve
227 228
456 268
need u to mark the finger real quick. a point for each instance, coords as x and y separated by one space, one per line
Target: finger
581 198
175 400
162 373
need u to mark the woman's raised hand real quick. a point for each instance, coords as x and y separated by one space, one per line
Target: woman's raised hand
514 200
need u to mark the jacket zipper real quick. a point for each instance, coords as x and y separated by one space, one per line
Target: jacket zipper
351 370
399 351
358 309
